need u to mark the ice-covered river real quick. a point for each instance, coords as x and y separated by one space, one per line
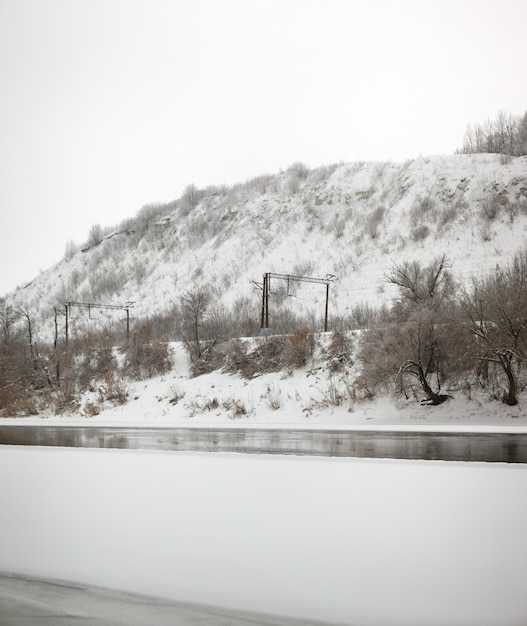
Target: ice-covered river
366 542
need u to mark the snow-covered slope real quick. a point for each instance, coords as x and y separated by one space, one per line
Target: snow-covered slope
351 220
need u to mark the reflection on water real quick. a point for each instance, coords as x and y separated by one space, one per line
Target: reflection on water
492 447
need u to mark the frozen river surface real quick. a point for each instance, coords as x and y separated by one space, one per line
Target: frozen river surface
420 445
39 602
364 542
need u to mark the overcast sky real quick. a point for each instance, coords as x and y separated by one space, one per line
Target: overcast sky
108 105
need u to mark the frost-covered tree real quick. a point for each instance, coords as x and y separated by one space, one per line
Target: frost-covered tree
95 235
506 134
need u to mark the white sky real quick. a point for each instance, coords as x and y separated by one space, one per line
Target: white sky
107 105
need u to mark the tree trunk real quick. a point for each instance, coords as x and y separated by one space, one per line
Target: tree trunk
434 398
510 397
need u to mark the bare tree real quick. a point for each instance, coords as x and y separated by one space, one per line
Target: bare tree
417 350
8 316
194 305
432 285
190 199
413 343
95 235
70 249
24 312
507 134
496 312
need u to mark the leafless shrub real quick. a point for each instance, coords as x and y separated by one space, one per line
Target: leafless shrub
176 395
146 215
338 226
299 348
363 315
292 185
270 354
113 389
95 364
65 397
332 394
360 390
522 206
374 220
485 232
203 405
71 249
236 408
489 208
295 175
259 184
267 355
91 409
273 397
16 404
378 169
447 215
238 360
422 210
95 235
144 356
339 351
209 361
301 170
419 233
322 173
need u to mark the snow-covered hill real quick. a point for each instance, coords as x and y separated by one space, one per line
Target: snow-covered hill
352 220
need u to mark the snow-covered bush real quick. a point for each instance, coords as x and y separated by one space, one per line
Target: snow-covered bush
423 210
144 356
490 208
374 220
419 233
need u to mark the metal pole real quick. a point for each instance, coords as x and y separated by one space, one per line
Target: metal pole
128 323
327 303
66 325
56 329
262 322
267 303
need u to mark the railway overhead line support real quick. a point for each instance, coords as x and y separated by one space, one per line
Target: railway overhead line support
90 305
289 278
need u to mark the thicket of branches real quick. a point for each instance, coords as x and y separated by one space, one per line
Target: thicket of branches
506 134
36 378
439 336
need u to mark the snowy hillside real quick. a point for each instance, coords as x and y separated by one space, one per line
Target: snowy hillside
351 220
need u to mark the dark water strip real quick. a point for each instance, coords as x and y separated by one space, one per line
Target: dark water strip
453 446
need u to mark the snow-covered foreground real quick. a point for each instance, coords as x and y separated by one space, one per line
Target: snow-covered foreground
347 540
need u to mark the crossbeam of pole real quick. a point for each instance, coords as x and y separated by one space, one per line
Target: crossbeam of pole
90 305
303 279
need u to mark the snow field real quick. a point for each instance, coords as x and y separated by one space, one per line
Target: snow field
363 542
